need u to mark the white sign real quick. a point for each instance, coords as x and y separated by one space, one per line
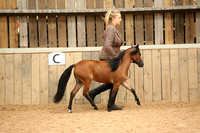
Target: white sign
56 58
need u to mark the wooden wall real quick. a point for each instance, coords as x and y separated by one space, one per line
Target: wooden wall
83 30
170 73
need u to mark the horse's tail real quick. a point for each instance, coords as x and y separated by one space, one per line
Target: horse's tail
62 84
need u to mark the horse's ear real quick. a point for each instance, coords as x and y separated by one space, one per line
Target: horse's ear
132 45
137 46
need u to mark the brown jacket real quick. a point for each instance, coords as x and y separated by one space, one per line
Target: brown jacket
112 41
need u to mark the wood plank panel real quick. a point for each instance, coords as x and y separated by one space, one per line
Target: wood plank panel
81 25
71 31
193 75
183 66
52 36
169 38
90 25
35 78
139 34
71 24
33 37
129 24
179 25
148 23
189 24
62 33
156 67
148 77
3 27
198 24
9 79
2 80
158 24
99 30
99 23
13 32
42 25
174 65
44 80
198 68
23 25
18 88
26 59
109 4
90 31
165 65
198 41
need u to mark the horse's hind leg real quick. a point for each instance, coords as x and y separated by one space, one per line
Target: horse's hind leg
86 94
78 85
112 96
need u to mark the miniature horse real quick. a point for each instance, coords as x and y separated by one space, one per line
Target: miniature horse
113 71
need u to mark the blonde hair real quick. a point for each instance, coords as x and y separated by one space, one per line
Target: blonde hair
109 15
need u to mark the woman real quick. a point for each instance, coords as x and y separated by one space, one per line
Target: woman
112 42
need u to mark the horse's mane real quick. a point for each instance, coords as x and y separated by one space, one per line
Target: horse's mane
114 62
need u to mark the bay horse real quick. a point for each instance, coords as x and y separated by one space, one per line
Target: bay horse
114 71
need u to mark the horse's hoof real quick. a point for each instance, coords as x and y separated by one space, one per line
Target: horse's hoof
70 111
95 107
138 103
109 109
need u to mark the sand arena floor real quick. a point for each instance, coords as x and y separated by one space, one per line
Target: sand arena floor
158 117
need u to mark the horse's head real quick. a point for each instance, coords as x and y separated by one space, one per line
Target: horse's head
136 56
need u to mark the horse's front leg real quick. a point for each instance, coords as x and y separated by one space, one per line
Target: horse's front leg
124 84
86 94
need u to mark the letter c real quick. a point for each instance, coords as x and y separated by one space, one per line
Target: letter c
55 57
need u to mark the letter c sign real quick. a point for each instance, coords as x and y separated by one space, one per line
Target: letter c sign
56 58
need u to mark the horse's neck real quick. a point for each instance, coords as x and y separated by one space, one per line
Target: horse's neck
126 62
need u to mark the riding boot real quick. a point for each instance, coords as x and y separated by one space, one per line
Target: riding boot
113 106
99 89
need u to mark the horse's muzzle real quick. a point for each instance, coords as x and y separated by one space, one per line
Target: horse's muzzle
140 64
